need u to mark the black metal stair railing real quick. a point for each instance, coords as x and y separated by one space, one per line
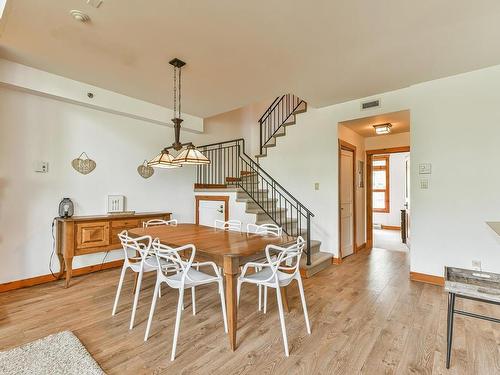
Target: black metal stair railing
279 113
231 166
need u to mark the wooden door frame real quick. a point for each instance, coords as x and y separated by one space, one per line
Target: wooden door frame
224 198
369 187
343 145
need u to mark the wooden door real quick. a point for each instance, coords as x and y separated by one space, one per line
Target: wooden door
346 202
210 208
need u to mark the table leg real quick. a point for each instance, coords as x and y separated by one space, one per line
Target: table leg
451 309
69 270
284 298
231 265
61 265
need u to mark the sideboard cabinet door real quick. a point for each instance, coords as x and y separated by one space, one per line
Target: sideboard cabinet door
94 234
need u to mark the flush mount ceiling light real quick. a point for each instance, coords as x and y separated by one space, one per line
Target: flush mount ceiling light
79 16
188 155
383 128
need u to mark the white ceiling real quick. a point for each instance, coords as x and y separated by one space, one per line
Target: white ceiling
238 52
399 120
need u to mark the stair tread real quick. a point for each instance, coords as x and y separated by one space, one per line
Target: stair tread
258 210
316 259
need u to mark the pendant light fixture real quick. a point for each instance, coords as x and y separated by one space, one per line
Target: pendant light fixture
189 155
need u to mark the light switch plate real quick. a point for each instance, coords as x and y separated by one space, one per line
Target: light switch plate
41 166
316 186
424 168
424 183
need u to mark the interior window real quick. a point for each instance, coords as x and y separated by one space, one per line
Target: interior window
380 183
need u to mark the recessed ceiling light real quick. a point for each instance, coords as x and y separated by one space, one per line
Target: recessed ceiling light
383 128
79 16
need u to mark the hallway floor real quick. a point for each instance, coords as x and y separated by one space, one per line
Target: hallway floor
367 317
388 240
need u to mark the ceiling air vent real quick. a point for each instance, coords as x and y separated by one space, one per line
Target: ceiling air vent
371 104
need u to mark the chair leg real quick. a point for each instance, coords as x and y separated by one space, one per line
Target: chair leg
136 299
282 320
238 292
304 306
177 322
193 298
156 294
223 304
119 290
265 299
260 297
159 292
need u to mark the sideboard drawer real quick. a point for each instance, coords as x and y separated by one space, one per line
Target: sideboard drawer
94 234
125 223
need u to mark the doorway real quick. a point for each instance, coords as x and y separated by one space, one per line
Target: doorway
379 135
387 198
210 208
347 199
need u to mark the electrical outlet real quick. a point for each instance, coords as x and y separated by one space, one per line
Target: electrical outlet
476 265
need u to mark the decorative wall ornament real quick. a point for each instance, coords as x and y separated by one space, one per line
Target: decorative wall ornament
144 170
361 174
84 166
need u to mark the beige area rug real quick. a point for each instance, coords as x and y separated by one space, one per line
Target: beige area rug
60 353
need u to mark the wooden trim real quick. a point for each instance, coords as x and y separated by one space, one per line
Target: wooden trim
48 278
343 145
387 190
369 201
224 198
336 260
210 186
390 227
428 279
361 247
392 150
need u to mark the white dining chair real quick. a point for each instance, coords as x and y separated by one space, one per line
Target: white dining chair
234 225
271 229
264 229
142 261
278 274
187 277
156 222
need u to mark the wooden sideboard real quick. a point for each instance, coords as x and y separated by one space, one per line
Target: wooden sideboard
79 235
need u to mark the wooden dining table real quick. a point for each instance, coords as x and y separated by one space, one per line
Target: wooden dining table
227 249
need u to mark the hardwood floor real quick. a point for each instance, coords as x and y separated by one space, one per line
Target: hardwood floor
367 317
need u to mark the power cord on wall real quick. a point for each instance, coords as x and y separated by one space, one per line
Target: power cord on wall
53 247
54 250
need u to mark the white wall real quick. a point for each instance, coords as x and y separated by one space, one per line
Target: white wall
387 141
298 161
350 136
40 128
454 125
397 173
246 120
37 81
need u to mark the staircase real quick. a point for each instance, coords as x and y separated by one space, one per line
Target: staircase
231 168
273 123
